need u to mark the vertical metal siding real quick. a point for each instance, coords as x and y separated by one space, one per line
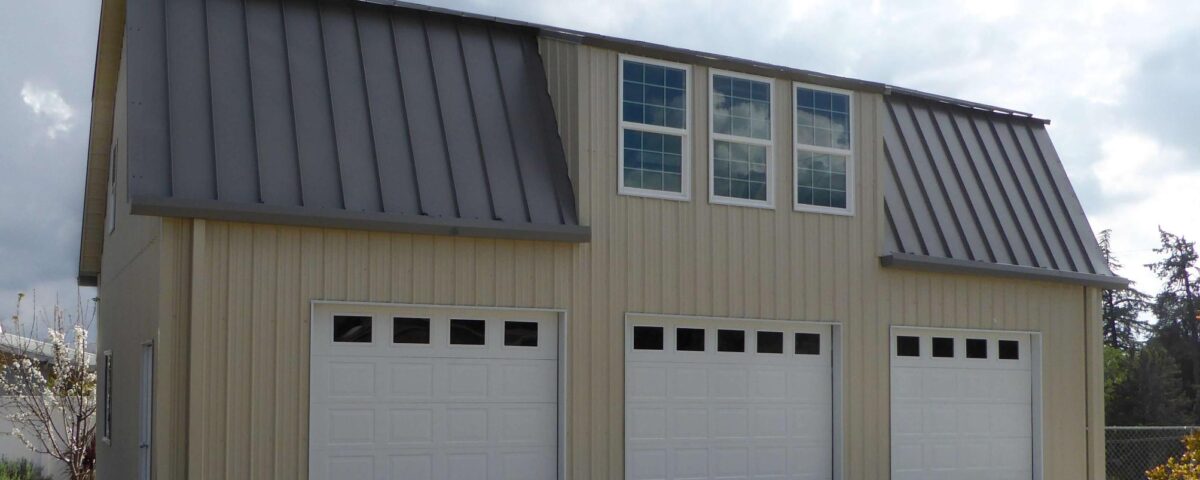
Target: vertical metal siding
250 341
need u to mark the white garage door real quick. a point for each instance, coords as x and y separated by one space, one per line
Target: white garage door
727 399
962 405
431 394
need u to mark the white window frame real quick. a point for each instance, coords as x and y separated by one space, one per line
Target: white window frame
713 137
851 163
685 151
146 407
106 392
110 210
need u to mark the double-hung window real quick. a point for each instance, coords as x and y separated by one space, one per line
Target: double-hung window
741 161
654 128
824 154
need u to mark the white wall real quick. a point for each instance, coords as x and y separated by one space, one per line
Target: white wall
12 448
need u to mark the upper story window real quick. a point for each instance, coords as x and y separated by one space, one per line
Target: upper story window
742 165
824 159
654 128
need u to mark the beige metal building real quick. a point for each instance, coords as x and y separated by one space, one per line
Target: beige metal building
337 239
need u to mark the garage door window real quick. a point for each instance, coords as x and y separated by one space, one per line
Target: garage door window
943 347
908 346
351 329
1010 350
976 348
520 334
731 341
689 339
808 344
647 338
410 330
770 342
467 332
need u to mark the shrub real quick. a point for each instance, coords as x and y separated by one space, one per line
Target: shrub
1185 467
21 470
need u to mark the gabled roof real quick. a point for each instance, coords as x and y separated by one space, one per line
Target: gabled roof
387 115
970 191
343 114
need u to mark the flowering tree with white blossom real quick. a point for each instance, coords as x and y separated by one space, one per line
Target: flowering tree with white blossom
49 388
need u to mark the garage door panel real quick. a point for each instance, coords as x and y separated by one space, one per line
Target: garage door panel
648 383
730 423
729 383
962 417
769 383
416 467
729 462
529 466
413 382
435 411
524 380
728 415
648 423
352 467
770 422
689 383
648 464
411 427
690 463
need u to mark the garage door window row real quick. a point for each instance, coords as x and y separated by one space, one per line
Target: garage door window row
944 347
728 340
416 331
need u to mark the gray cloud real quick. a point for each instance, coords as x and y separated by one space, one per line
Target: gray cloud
1163 94
48 51
1115 76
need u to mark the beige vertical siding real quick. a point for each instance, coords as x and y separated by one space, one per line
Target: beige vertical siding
246 320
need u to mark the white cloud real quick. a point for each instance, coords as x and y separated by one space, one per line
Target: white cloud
1153 188
48 105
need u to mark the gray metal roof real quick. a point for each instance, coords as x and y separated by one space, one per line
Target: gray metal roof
339 113
973 191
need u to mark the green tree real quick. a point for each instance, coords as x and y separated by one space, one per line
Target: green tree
1151 393
1116 373
1122 327
1177 308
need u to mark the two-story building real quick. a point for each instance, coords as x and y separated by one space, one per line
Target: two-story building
340 239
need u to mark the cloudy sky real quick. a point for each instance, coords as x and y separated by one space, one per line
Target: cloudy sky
1117 77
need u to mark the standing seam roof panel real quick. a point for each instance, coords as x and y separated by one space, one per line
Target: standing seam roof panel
999 172
950 182
337 112
982 219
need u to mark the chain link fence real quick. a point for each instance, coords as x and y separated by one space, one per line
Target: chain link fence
1130 451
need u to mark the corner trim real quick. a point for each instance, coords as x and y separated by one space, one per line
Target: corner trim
948 265
328 218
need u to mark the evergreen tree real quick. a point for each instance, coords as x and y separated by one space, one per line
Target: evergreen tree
1177 307
1122 327
1151 393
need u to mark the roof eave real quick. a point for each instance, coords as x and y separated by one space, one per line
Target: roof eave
328 218
948 265
109 40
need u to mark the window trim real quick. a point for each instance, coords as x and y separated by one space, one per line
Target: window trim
106 393
685 147
110 209
713 137
851 163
